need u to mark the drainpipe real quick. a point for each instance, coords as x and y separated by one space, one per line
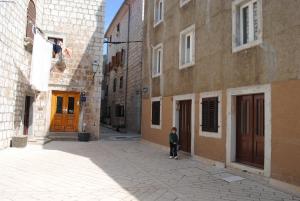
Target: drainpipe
127 64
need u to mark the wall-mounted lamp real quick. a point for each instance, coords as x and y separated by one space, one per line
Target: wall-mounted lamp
95 68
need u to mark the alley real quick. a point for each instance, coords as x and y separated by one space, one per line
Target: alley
119 170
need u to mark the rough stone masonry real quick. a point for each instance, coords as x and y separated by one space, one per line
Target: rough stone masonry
80 24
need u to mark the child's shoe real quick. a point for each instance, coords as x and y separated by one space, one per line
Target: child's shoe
170 157
176 157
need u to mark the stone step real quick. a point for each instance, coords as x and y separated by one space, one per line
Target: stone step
38 141
63 136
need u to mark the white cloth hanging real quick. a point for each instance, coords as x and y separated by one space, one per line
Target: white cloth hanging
41 63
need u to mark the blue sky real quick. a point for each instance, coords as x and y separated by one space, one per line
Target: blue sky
112 7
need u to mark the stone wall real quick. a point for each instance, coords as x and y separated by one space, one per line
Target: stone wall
80 24
14 67
134 65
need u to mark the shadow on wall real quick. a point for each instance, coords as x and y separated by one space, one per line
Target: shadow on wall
22 90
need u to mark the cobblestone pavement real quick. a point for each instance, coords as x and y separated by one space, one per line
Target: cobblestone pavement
119 170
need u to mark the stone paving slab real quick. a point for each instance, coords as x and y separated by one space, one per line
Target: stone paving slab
119 170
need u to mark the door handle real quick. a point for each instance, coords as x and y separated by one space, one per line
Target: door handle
65 110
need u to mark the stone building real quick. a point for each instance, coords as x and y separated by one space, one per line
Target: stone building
79 26
226 74
123 79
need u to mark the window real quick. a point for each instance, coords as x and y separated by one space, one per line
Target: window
106 90
187 47
121 82
119 112
110 38
122 57
247 23
71 105
156 113
57 46
108 112
59 104
157 60
184 2
158 12
31 19
118 28
210 114
115 85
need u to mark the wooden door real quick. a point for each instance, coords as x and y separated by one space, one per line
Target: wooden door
259 130
250 130
27 114
185 125
72 112
65 112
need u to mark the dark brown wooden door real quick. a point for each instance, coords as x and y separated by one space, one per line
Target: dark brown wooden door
26 115
185 125
259 130
250 130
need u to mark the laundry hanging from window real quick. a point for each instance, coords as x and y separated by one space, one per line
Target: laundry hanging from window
57 46
41 63
59 52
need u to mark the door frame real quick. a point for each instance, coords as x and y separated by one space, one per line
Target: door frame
175 115
231 127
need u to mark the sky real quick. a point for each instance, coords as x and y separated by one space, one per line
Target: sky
111 9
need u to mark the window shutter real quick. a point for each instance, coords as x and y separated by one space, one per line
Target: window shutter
122 57
114 63
213 114
118 58
205 115
31 18
210 114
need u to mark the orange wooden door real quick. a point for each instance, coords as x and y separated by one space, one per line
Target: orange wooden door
65 112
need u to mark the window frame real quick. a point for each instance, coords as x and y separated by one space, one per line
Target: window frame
183 2
156 99
237 28
156 22
189 31
155 62
213 94
57 36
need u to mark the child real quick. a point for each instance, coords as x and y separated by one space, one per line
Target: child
173 139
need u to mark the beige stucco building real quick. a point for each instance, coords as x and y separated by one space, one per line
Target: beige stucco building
123 72
79 26
226 74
